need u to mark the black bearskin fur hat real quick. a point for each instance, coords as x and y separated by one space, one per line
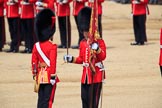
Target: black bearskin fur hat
84 17
45 25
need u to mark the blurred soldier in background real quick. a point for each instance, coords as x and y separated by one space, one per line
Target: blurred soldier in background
63 13
2 26
77 6
12 13
27 24
139 11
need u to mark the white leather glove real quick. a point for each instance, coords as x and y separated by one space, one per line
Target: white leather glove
95 46
68 58
52 81
38 3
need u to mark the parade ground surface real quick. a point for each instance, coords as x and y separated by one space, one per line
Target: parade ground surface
133 77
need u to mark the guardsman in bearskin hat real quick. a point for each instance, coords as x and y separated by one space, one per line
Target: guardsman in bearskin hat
92 75
44 57
13 17
139 11
2 25
77 6
63 13
27 24
160 58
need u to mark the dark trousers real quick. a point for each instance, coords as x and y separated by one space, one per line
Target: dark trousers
21 32
161 70
14 32
2 32
46 95
27 31
65 29
79 31
139 24
100 25
90 95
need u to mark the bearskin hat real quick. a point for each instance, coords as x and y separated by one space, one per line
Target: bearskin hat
45 25
84 17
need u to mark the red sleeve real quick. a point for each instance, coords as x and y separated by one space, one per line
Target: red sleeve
79 59
34 61
53 59
102 55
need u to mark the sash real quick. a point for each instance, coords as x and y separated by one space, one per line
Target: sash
43 75
46 60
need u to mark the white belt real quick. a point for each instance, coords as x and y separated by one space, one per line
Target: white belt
85 64
98 64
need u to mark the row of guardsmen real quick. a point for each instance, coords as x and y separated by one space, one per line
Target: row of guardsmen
20 16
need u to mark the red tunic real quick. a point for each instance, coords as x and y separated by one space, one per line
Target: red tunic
99 6
1 7
160 58
27 10
63 9
50 50
84 58
140 8
12 10
77 6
